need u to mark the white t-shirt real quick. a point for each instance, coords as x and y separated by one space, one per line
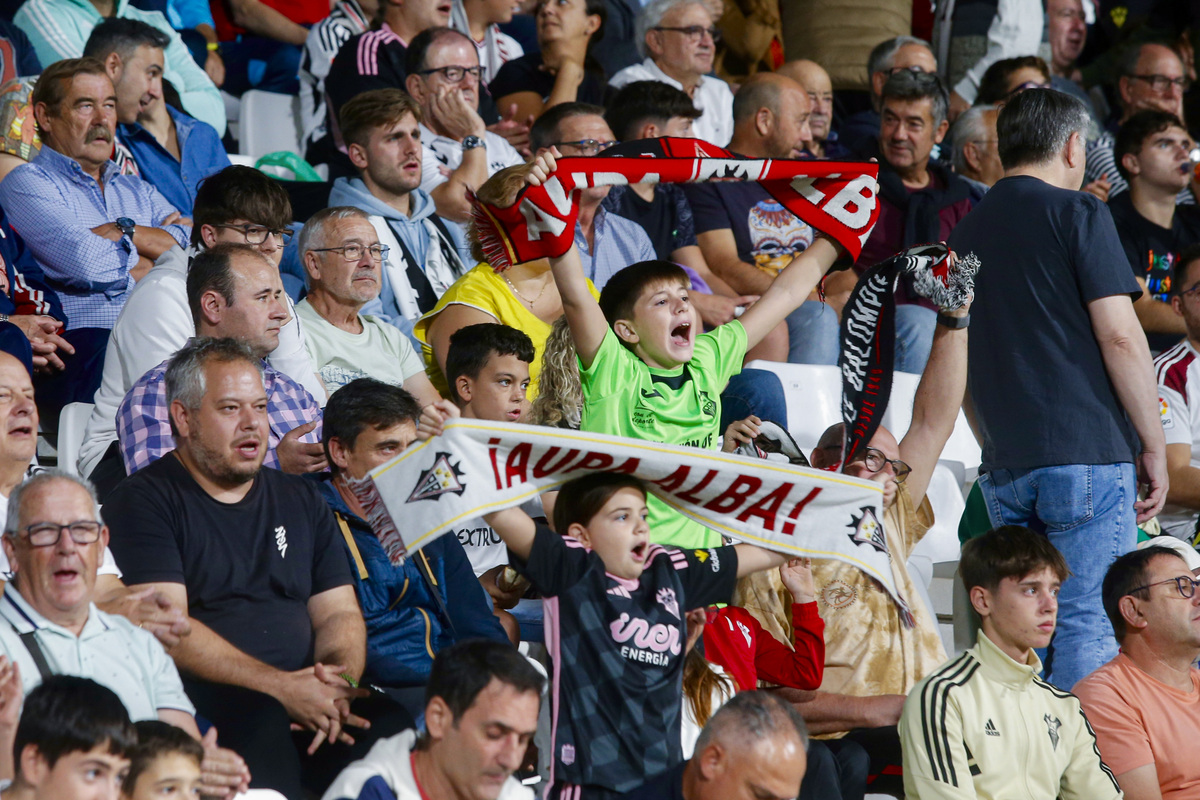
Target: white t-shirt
438 152
483 546
381 351
1178 373
712 97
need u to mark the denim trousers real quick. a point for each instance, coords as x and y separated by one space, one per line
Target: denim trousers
914 337
813 334
1086 511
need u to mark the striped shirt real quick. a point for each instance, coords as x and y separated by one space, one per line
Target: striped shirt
144 430
979 722
53 204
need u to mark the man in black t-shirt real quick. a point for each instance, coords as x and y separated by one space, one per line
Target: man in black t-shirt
1151 152
253 555
1059 373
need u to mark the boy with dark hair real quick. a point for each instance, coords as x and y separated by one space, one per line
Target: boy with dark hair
432 600
487 367
481 711
1151 153
648 371
73 741
166 760
968 725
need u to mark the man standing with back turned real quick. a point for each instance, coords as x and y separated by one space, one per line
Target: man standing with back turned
1059 373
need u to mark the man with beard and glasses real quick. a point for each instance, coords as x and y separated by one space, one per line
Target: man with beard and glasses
234 291
92 230
253 554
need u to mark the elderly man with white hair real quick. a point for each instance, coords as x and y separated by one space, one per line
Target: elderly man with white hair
679 41
976 150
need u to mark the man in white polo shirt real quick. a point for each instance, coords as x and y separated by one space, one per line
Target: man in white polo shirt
679 41
55 540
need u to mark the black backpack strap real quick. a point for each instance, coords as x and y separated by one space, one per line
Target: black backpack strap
39 658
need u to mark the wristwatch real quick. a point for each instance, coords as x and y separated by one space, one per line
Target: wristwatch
953 323
471 142
126 225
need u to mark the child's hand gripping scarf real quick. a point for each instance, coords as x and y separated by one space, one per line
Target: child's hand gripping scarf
869 331
837 198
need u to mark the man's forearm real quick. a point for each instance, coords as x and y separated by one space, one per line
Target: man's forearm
265 21
341 639
742 277
153 242
1185 485
1158 317
451 197
826 712
208 656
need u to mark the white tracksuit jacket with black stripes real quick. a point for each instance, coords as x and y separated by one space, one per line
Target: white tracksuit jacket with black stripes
983 726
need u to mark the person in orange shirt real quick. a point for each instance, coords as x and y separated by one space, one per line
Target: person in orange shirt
1145 704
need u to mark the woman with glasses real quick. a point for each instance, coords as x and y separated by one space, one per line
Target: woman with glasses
1009 77
564 71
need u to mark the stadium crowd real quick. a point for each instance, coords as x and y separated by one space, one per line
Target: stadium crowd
198 596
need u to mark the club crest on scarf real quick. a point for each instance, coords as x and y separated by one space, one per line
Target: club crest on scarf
837 198
442 478
869 330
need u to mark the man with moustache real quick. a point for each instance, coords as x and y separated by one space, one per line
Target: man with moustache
277 638
92 230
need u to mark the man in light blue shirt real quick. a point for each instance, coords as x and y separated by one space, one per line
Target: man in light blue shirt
172 151
92 230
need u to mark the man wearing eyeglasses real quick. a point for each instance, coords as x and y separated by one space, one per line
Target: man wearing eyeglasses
873 656
50 625
234 292
860 131
679 41
1152 76
459 153
1145 704
343 259
238 205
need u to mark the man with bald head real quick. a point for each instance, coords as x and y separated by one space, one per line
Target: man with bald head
813 78
754 742
745 234
1152 76
872 656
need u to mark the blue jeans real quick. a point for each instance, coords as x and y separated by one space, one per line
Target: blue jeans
754 391
1086 511
813 334
914 337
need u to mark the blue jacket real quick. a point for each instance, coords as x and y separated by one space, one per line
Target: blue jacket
406 625
202 151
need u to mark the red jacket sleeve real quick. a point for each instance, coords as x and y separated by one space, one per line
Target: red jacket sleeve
801 669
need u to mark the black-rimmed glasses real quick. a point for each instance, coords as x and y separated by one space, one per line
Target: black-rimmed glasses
257 234
1184 584
47 534
455 74
1160 83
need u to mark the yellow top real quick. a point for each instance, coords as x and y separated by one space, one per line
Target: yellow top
483 289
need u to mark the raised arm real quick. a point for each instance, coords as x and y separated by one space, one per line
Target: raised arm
751 559
789 289
1127 361
516 528
584 317
935 407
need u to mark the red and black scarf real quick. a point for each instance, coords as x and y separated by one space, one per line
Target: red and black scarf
837 198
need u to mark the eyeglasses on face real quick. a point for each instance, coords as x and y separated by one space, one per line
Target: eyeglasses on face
1185 585
455 74
875 460
587 147
257 234
47 534
694 33
354 252
1160 83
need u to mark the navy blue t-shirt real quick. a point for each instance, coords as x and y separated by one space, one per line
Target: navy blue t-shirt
1036 375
